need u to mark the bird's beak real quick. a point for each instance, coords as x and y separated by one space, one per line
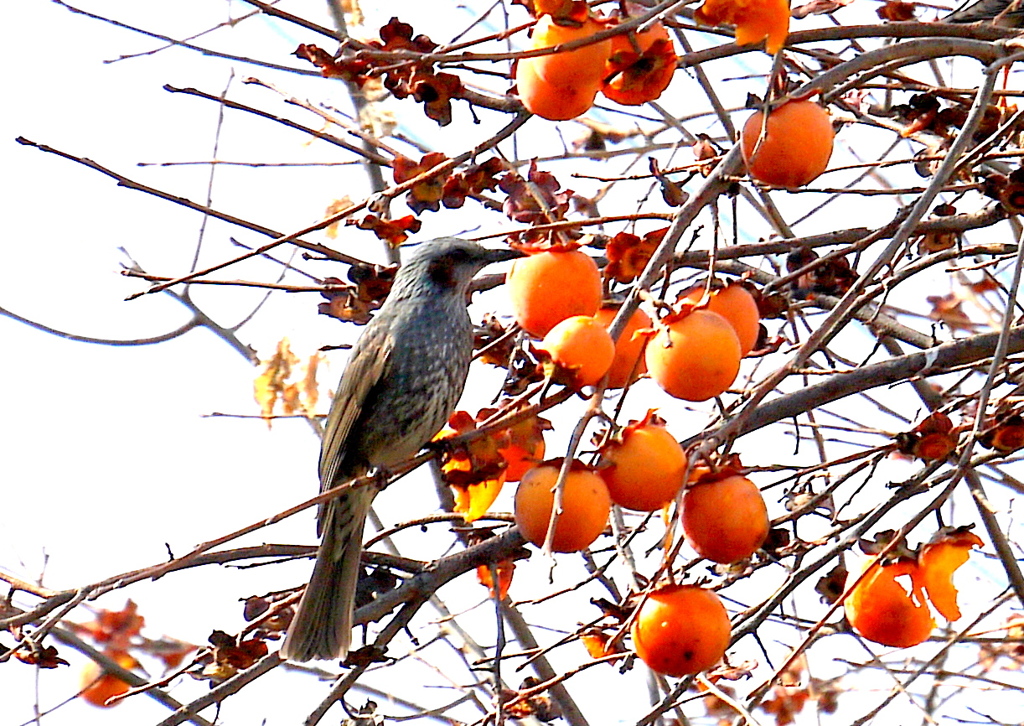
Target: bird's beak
503 255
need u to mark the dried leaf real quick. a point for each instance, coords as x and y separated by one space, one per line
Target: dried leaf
114 628
336 207
504 569
475 470
426 194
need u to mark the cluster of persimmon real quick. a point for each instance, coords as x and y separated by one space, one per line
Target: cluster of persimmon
693 352
629 68
556 294
678 630
884 610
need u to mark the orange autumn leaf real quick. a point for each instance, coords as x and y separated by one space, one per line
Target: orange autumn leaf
393 231
270 385
275 384
229 655
937 562
755 20
504 569
336 207
475 470
598 643
115 628
522 445
948 309
99 686
473 499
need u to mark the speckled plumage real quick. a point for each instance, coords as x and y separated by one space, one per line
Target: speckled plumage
1004 13
403 380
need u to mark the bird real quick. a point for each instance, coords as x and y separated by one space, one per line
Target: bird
1004 13
404 376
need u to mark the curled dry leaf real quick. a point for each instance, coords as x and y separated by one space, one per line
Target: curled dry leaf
629 254
475 470
504 570
392 231
426 194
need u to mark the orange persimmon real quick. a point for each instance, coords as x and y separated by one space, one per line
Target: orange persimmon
547 287
795 148
724 517
629 363
644 466
734 303
881 609
553 102
937 562
694 355
681 630
581 67
640 66
580 346
755 20
585 506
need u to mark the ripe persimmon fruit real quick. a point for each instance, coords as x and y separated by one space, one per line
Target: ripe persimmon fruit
585 506
766 20
882 610
550 101
547 287
581 67
629 363
734 303
644 467
694 355
681 630
937 562
796 146
724 517
581 346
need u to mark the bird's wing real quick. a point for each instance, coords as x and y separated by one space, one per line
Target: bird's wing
370 359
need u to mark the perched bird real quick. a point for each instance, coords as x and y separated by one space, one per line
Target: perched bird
403 379
1004 13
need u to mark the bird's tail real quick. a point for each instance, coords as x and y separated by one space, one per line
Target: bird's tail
322 626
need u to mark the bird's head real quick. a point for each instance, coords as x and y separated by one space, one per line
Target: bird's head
447 263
